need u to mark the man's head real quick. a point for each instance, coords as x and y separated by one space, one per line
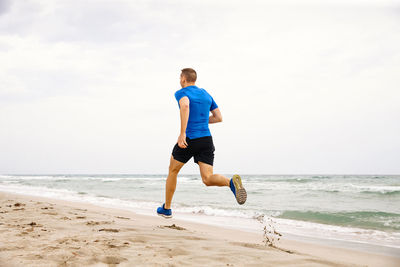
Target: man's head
188 77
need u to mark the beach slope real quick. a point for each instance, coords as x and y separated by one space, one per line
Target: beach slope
38 231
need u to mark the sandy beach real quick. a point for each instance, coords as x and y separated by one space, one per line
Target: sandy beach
37 231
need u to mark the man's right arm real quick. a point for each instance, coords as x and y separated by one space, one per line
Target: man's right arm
216 116
184 113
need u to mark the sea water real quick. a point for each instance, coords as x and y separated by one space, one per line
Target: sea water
354 208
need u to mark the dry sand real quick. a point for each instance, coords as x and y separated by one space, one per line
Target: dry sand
47 232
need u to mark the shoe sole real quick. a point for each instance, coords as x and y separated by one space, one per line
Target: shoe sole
165 216
241 194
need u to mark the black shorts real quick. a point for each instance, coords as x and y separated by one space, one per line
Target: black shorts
202 149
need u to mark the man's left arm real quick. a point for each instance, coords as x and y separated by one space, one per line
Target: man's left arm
216 116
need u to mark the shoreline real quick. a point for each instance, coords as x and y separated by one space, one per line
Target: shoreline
223 240
313 234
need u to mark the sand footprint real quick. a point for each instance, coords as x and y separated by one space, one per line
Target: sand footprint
123 218
50 213
97 223
19 209
81 209
173 226
177 252
109 230
51 248
113 259
139 239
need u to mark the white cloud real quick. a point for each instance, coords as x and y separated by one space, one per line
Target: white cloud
87 86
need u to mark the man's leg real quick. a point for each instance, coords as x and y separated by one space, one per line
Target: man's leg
170 185
210 179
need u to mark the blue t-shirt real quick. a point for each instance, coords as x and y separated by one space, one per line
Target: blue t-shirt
201 103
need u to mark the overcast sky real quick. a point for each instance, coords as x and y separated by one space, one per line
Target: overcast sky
303 87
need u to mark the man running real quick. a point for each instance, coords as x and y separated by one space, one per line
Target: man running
195 141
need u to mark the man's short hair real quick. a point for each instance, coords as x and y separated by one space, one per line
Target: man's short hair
190 75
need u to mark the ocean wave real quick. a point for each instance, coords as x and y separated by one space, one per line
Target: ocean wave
82 177
27 177
383 192
37 190
332 191
278 180
295 180
334 187
321 176
210 211
363 219
81 196
9 182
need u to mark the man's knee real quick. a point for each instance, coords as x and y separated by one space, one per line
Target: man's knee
173 168
206 179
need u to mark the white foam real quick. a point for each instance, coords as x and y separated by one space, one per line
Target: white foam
26 177
69 195
154 178
210 211
322 186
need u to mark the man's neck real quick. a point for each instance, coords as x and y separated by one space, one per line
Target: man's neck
188 84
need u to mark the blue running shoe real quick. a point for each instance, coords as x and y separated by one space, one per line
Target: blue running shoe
238 190
166 213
